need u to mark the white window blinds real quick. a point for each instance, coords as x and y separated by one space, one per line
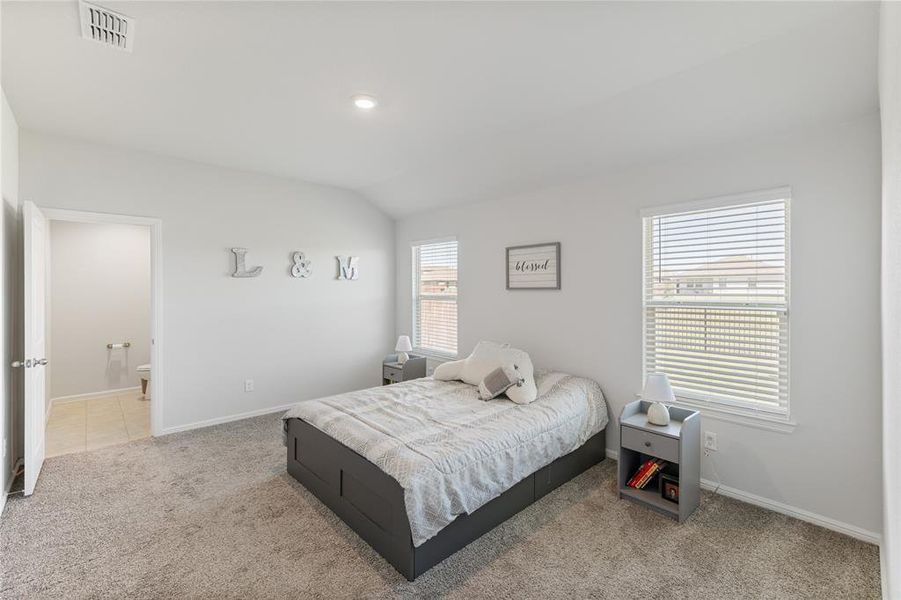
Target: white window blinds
435 298
716 301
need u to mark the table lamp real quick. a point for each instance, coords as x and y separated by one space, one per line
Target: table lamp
657 390
403 346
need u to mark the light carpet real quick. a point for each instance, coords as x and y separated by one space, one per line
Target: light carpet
213 513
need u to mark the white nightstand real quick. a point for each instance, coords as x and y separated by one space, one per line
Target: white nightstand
394 372
678 443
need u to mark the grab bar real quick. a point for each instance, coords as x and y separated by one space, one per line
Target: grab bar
122 345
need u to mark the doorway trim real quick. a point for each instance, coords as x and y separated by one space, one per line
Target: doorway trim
156 294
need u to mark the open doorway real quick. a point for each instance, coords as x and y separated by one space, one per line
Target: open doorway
99 379
36 308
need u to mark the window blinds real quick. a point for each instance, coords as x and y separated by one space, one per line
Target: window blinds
716 302
435 298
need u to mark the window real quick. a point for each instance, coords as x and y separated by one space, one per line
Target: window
435 298
716 282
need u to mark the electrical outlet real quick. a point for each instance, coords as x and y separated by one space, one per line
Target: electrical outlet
248 385
710 441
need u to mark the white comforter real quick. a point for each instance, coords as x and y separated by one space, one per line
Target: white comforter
450 451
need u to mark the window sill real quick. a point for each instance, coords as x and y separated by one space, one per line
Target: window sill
777 423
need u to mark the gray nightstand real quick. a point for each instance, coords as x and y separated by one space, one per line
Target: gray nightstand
678 443
394 372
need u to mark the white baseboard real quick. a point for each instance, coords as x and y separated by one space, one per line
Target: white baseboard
793 511
785 509
76 397
227 419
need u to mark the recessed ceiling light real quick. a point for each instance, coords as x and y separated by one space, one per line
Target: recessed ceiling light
365 102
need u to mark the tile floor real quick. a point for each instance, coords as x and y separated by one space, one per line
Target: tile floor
97 421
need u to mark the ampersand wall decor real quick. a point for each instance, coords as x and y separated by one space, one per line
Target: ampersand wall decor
302 267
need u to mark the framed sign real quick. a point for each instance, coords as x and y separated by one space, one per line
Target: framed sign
534 267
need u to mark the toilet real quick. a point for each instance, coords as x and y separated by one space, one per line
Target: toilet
144 374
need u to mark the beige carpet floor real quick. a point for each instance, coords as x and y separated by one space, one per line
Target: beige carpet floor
213 514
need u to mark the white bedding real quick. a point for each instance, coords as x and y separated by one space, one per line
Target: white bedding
450 451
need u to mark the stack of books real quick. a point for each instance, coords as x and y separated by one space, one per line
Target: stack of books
645 473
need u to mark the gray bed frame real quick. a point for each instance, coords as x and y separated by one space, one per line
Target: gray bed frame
371 502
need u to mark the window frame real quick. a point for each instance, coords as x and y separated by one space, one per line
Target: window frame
710 406
415 276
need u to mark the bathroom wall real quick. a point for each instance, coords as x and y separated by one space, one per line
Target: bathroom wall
99 294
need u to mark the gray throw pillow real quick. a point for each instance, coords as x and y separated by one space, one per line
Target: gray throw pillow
499 381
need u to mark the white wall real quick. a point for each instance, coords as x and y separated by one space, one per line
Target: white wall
890 101
297 338
100 291
9 278
830 464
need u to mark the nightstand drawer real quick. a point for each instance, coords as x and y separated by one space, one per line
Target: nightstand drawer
660 446
393 374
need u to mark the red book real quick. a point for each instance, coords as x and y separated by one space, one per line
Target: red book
638 475
656 468
642 471
634 478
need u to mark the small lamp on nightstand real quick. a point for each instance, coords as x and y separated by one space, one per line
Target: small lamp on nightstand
657 390
403 346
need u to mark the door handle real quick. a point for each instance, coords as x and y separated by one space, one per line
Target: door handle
28 363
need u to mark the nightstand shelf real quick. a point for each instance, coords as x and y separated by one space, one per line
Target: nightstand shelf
678 443
652 497
395 372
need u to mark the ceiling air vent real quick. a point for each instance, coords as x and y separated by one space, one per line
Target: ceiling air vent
106 27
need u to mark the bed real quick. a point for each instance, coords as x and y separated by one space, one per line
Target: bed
420 469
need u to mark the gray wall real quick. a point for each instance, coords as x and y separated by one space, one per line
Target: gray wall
296 338
830 464
99 294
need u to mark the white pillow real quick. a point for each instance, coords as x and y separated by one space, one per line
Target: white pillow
448 371
528 391
488 356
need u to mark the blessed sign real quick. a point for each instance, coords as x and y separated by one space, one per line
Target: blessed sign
534 267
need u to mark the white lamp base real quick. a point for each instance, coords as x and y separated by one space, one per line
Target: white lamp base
403 357
658 414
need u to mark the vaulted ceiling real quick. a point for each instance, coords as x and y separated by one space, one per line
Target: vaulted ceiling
475 99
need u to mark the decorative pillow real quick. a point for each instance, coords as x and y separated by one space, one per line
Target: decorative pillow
448 371
528 391
488 356
499 381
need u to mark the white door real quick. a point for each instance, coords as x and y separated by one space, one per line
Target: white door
35 254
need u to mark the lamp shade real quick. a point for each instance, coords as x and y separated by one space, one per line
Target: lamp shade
403 344
657 389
